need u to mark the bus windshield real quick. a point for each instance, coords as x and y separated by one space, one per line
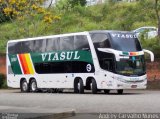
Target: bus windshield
134 66
125 42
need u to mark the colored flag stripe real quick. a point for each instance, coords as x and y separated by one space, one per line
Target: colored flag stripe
22 63
29 63
133 53
26 63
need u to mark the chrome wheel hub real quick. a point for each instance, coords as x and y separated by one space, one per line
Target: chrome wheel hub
34 86
25 86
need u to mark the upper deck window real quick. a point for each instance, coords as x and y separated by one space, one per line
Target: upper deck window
81 42
74 42
101 40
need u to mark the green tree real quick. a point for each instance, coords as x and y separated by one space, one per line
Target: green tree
157 9
3 17
77 2
27 15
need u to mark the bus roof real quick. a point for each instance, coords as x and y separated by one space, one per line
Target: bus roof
69 34
51 36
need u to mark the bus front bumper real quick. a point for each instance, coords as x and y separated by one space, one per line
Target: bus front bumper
116 84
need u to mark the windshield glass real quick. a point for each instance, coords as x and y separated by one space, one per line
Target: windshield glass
134 66
125 42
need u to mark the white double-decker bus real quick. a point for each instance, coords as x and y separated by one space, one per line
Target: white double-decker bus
96 60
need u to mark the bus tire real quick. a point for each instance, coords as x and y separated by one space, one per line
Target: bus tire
120 91
94 86
53 90
78 86
60 90
106 91
24 86
33 85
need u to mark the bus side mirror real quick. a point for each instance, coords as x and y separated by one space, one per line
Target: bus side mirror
150 53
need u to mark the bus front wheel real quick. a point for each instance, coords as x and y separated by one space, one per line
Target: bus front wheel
78 86
33 85
120 91
94 86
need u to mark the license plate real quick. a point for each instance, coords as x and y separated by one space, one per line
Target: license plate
134 86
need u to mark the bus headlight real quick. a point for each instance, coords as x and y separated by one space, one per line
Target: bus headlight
120 79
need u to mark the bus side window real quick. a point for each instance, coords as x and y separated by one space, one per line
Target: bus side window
81 42
67 43
27 46
107 64
100 40
39 45
46 68
52 44
12 48
43 68
18 48
57 67
106 61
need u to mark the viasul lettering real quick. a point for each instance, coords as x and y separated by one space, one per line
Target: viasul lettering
56 56
126 36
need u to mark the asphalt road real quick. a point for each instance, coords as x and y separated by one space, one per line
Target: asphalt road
132 101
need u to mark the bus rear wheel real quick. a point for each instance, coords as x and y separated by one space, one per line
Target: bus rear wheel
33 85
120 91
106 91
78 86
24 86
94 86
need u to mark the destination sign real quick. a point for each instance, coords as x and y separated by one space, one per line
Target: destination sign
122 35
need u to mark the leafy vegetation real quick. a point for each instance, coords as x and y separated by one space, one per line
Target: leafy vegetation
3 83
26 15
77 2
111 15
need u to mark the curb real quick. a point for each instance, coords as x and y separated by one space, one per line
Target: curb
57 115
45 115
7 112
37 116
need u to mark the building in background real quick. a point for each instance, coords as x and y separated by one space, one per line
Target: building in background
89 2
50 2
94 2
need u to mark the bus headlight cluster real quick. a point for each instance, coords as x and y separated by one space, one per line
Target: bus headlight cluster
131 80
121 79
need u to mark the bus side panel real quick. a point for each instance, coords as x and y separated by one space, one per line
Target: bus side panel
13 81
65 80
54 80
